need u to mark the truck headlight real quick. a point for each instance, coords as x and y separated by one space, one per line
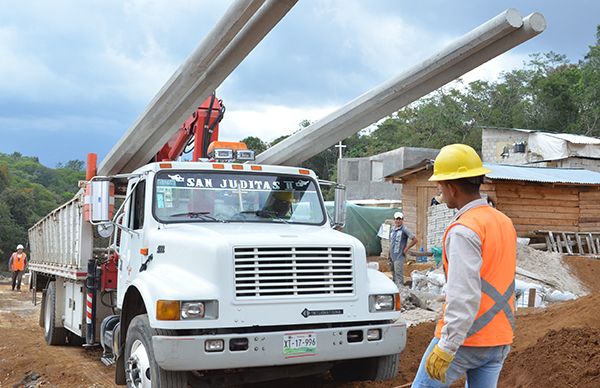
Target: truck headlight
175 310
192 310
384 302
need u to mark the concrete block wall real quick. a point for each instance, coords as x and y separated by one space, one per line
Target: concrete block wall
356 173
363 187
494 140
438 218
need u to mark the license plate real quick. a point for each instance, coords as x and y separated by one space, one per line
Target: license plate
299 344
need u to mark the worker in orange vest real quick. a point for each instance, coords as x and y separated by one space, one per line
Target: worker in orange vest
473 336
16 264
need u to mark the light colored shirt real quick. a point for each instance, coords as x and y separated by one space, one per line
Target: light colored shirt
463 283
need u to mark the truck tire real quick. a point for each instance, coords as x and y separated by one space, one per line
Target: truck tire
141 368
376 368
54 335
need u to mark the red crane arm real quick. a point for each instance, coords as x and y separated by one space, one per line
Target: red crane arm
201 128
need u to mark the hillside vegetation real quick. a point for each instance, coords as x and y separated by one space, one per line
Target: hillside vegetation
28 191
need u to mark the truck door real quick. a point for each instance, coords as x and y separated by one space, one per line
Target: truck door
131 242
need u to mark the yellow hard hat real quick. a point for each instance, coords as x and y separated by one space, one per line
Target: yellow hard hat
456 161
283 195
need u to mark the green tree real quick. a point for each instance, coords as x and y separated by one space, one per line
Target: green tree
10 233
29 191
255 143
3 177
589 89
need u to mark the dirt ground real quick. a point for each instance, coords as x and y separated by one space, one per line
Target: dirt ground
24 354
558 346
554 347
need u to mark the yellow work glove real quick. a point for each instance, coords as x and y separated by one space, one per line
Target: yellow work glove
437 364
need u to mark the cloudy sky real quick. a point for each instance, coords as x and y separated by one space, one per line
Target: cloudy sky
75 75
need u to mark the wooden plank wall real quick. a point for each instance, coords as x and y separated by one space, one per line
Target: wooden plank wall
409 206
539 206
531 206
589 210
534 206
417 192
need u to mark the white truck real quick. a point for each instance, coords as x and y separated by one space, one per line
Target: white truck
213 273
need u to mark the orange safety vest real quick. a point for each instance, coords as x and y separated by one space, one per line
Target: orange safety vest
494 322
18 261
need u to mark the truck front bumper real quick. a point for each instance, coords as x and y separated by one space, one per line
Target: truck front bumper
267 348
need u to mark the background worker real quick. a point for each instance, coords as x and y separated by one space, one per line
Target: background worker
479 256
16 264
399 246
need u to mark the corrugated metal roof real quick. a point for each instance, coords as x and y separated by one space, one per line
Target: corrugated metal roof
543 174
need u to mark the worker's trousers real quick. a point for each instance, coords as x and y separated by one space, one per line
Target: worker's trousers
398 272
482 366
16 279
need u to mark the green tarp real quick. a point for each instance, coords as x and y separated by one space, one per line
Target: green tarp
363 222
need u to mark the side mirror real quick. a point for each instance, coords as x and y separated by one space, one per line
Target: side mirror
339 215
99 201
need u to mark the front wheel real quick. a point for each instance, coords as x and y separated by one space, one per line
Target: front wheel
376 368
141 369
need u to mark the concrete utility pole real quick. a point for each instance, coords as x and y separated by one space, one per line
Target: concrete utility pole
243 26
485 42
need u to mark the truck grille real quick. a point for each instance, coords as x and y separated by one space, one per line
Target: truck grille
293 271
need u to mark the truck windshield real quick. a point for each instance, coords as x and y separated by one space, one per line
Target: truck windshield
205 196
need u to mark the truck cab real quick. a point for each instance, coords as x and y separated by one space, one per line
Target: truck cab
214 273
225 266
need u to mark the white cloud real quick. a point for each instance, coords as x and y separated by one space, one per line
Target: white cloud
268 122
138 76
383 42
493 69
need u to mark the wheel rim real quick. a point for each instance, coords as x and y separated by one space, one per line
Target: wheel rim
47 314
138 366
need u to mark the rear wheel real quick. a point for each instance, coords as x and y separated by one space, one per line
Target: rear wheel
141 368
54 335
376 368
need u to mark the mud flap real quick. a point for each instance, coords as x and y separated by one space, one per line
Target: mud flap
120 370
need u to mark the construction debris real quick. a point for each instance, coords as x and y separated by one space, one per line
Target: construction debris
542 278
549 268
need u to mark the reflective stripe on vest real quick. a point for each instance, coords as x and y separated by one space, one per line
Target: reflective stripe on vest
494 321
501 304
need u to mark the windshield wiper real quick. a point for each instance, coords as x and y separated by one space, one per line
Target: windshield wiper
271 215
265 214
202 215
